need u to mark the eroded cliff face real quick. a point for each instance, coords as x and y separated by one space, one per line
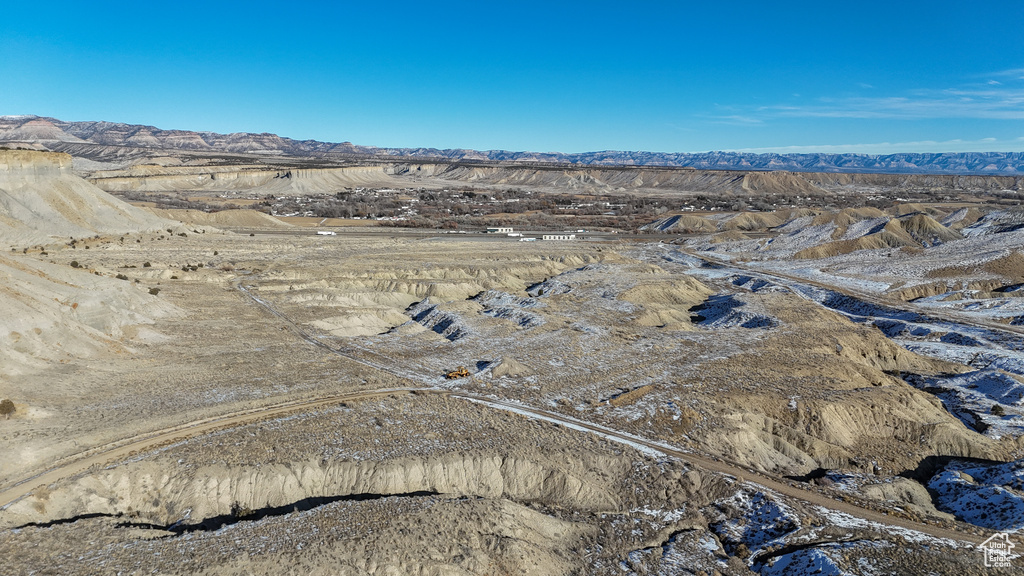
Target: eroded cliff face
55 312
165 495
282 180
258 180
20 166
40 199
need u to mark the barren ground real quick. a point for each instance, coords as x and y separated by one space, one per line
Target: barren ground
786 393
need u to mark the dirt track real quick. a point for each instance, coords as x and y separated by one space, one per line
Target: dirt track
866 297
117 451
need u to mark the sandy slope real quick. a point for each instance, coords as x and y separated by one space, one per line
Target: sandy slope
49 312
40 199
229 218
52 313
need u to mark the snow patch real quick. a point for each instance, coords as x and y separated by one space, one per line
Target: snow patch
987 496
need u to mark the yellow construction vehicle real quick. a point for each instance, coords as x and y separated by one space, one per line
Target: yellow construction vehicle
460 372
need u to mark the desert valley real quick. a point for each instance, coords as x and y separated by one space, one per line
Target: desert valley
237 354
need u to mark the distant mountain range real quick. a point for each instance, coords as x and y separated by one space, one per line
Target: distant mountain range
42 130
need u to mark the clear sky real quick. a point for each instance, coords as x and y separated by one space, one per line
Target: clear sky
865 76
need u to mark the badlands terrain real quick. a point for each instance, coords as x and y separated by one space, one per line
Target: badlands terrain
203 384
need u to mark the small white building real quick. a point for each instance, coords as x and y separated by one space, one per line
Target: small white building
559 236
326 233
500 230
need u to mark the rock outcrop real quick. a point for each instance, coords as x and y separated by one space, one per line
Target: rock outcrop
41 199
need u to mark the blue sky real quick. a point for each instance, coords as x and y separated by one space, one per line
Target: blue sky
871 77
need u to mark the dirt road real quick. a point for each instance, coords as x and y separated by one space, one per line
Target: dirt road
117 451
781 278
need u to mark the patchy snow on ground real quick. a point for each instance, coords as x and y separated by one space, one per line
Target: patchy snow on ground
550 287
508 307
999 222
981 358
683 259
989 401
875 271
838 519
794 238
757 285
447 324
865 227
753 519
728 311
853 483
987 496
685 552
955 217
807 561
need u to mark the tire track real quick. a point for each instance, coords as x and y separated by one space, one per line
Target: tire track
116 451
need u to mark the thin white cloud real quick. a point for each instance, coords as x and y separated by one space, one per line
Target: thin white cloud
982 145
992 100
992 103
1012 73
737 120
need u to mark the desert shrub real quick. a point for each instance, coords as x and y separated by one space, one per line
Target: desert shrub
121 277
240 510
146 264
997 410
154 291
7 408
75 264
